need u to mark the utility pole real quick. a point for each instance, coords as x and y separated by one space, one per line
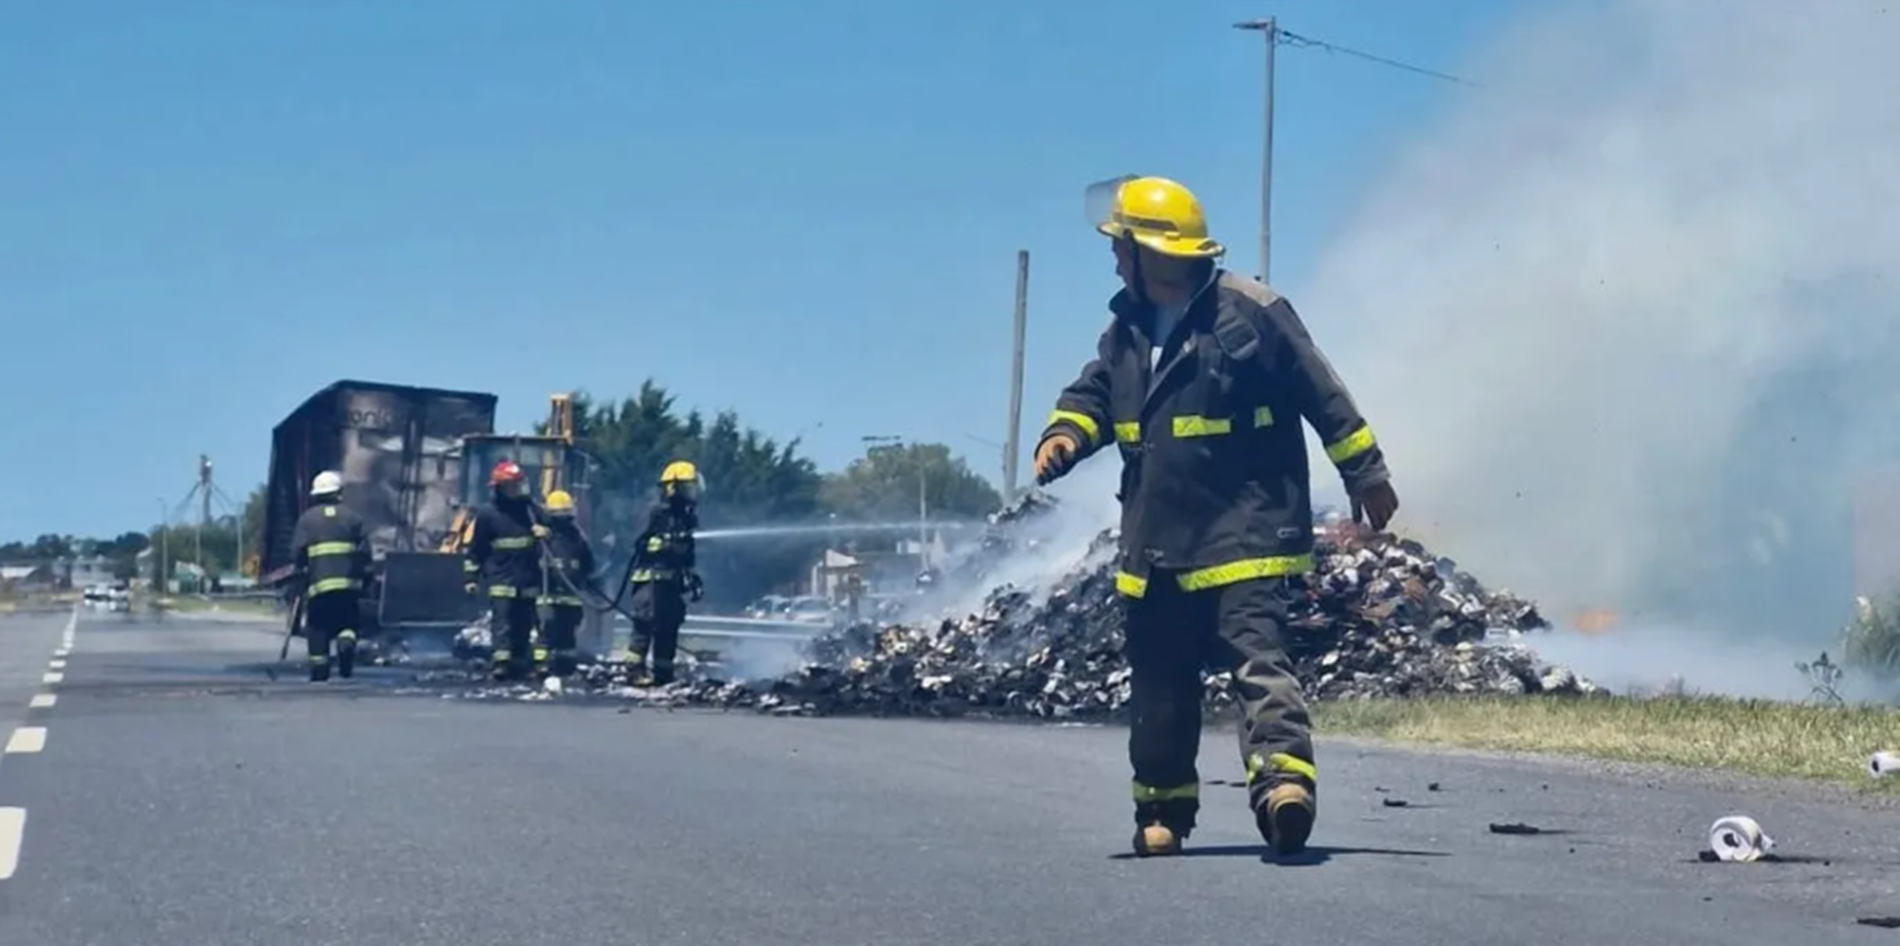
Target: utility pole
1012 444
1270 28
161 582
204 517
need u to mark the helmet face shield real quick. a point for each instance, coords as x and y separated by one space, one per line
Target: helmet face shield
1101 202
686 491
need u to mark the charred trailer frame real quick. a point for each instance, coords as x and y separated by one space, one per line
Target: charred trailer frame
399 450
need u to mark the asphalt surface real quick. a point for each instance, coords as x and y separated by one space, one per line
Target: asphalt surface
182 797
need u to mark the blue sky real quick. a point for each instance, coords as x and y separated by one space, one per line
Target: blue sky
807 211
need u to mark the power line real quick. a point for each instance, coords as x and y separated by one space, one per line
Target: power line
1289 38
1275 38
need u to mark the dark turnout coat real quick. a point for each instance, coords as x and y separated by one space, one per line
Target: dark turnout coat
1214 485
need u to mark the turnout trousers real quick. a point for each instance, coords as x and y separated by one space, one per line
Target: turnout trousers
564 621
511 620
659 608
329 618
1172 635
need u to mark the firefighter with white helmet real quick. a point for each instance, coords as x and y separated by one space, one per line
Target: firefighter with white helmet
570 567
664 575
1200 383
331 545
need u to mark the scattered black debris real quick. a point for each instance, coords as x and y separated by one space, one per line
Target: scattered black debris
1395 802
1381 617
1517 828
1433 787
1884 922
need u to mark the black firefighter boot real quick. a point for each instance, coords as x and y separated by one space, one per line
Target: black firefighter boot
319 668
1285 814
1161 826
346 654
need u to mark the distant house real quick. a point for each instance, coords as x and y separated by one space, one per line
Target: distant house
18 578
90 570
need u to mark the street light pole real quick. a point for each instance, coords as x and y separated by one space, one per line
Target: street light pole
1269 28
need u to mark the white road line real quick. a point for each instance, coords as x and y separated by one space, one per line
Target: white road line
12 832
27 739
63 652
52 678
59 665
43 701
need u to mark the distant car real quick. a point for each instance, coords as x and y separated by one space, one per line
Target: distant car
770 606
809 611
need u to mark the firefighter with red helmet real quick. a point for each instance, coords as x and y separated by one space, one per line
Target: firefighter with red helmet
503 557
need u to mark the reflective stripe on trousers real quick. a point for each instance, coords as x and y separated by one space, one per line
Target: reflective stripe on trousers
1216 576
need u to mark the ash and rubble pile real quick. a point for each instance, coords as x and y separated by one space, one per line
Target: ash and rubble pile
1381 617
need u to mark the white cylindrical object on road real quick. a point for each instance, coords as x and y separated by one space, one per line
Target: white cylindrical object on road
1738 839
1883 763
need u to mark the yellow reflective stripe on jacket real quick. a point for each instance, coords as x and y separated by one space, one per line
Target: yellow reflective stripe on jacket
501 591
641 575
1167 793
1128 431
656 543
1087 424
1219 576
469 566
1279 763
1352 445
331 548
565 600
324 585
514 542
1194 425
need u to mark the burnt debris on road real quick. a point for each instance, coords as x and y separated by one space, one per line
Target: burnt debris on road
1381 617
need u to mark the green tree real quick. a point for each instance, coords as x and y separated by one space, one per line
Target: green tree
751 480
890 483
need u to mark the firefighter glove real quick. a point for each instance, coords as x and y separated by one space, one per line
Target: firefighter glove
471 587
695 587
540 531
1055 456
1377 502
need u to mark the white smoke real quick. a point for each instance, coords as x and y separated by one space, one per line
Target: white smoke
1626 322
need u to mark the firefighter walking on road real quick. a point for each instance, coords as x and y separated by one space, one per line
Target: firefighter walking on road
664 576
1200 382
331 544
503 556
570 568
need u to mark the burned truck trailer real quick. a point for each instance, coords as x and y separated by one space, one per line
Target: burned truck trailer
399 450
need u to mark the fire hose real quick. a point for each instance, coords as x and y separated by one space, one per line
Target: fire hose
585 591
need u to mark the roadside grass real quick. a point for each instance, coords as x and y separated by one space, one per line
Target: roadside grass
1758 737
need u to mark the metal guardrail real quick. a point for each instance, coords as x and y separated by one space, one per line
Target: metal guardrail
713 625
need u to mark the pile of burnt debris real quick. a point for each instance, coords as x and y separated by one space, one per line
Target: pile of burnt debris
1381 617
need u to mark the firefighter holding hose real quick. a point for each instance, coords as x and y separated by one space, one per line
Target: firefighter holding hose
663 576
333 556
570 567
1201 381
503 555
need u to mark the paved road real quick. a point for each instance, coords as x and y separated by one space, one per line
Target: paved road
183 798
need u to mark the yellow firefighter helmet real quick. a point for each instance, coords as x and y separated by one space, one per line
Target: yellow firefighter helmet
681 476
1155 212
560 503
